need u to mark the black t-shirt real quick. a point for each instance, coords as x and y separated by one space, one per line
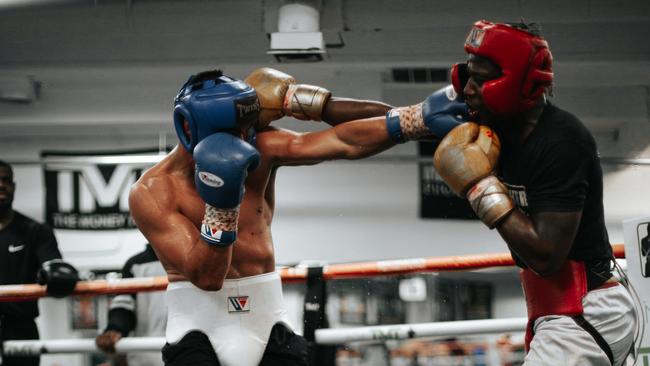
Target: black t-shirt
557 169
24 245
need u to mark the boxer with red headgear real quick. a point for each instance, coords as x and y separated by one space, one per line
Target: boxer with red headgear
544 194
525 64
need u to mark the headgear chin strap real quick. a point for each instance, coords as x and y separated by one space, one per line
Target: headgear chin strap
525 61
212 102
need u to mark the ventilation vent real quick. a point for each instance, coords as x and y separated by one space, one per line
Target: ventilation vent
419 75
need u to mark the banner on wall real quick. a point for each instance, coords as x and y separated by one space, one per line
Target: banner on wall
90 190
437 200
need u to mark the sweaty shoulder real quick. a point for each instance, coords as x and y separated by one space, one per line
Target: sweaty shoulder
152 189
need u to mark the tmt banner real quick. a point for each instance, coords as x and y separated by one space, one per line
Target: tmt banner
90 191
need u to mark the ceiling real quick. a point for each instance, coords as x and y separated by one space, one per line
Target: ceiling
196 31
113 66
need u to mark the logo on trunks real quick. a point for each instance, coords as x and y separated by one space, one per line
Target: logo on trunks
210 179
518 195
475 37
238 304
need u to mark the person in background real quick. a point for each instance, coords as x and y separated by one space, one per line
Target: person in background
28 253
144 314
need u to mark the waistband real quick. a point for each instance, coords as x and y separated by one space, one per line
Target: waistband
607 284
231 282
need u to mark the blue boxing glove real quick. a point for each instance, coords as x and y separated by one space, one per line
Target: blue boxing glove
438 114
222 164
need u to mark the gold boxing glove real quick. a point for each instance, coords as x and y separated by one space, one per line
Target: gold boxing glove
271 87
465 159
306 102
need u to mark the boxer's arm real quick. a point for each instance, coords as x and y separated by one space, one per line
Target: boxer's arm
350 140
466 158
339 110
543 240
175 238
556 196
280 95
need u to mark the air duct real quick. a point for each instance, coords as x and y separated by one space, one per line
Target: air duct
298 37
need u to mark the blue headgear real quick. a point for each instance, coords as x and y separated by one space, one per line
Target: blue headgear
212 102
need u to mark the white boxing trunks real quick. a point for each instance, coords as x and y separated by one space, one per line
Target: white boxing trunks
237 319
560 341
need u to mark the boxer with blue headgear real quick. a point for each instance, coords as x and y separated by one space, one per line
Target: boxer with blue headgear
211 112
211 102
224 300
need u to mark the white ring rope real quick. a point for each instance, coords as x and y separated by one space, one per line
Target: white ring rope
419 330
76 345
323 336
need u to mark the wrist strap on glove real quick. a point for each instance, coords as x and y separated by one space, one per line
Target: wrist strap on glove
305 102
490 200
406 123
219 226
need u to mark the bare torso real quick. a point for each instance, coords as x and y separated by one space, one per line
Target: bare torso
173 180
168 210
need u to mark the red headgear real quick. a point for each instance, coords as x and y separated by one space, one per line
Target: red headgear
525 63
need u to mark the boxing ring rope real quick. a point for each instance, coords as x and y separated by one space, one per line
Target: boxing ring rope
76 345
11 293
420 330
323 336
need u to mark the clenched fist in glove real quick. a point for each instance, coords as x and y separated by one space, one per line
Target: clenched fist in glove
280 96
222 165
465 159
434 117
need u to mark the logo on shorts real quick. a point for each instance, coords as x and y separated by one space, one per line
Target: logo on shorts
475 37
238 304
210 179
